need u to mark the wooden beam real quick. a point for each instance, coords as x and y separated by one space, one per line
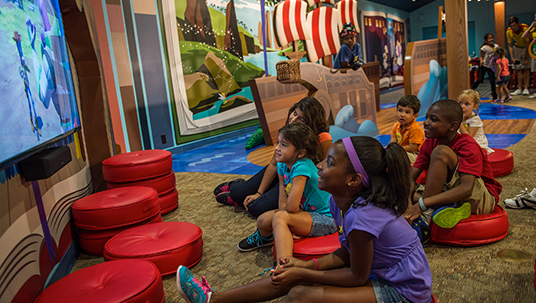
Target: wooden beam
457 50
500 32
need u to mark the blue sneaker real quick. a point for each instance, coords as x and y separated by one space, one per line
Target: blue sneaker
255 241
422 229
190 288
449 216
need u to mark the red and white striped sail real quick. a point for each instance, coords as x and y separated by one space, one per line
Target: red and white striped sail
313 2
348 13
324 33
290 21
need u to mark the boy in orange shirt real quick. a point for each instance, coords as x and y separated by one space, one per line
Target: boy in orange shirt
406 132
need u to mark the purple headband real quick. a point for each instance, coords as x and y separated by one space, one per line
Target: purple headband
350 150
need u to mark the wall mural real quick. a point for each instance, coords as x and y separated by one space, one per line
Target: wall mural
385 41
216 47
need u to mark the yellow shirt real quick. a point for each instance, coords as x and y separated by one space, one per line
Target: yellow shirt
518 41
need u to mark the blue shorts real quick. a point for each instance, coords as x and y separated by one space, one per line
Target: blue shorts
322 225
504 80
386 293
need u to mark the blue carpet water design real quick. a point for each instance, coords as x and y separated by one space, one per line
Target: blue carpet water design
230 156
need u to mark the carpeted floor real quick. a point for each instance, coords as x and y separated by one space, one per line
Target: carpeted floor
473 274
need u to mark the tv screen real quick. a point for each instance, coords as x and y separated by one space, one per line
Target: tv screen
38 103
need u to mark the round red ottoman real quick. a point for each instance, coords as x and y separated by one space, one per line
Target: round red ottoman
135 166
315 247
129 281
162 184
473 231
115 208
169 201
92 241
166 244
502 162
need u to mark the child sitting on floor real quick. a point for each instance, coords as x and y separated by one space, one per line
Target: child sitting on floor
260 193
472 125
407 132
458 171
303 208
380 258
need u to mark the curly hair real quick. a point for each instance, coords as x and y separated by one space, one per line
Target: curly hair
315 116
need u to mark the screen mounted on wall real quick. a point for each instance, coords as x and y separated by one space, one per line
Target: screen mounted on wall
37 100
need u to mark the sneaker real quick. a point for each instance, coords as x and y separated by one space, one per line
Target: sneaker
500 100
190 288
526 92
225 199
422 229
255 241
448 216
522 200
532 96
507 99
517 92
224 187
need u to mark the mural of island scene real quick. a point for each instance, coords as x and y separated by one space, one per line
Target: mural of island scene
384 41
220 52
221 49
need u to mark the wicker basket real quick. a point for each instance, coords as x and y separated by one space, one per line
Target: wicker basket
288 71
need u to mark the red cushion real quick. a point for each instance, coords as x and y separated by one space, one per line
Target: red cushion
473 231
502 162
166 244
162 184
129 281
92 241
138 165
169 202
315 247
115 208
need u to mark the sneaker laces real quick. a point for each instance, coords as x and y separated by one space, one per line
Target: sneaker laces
255 238
203 284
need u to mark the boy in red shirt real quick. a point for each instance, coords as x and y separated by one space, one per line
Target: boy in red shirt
407 132
460 180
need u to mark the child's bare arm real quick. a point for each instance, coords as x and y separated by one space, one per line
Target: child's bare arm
282 194
412 147
324 147
296 194
455 194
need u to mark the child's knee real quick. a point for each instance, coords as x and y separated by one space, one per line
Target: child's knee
445 154
265 220
280 218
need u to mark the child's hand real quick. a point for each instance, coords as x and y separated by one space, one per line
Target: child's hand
249 199
287 262
412 212
287 277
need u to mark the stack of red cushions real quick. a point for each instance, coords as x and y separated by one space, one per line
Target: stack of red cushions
103 215
151 168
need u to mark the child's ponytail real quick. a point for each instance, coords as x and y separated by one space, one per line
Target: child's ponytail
398 175
387 171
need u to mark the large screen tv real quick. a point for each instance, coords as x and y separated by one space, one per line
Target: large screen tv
37 100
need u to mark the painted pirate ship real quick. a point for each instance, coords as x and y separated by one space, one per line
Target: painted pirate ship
319 29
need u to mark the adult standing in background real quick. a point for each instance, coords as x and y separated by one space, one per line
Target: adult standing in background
518 48
530 34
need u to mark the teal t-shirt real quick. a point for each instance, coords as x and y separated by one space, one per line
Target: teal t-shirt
313 199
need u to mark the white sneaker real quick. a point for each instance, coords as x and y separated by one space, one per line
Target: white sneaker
522 200
526 92
533 96
517 92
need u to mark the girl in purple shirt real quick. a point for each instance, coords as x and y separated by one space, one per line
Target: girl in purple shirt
381 259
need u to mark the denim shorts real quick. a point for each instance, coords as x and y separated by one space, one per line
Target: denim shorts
504 80
322 225
386 293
